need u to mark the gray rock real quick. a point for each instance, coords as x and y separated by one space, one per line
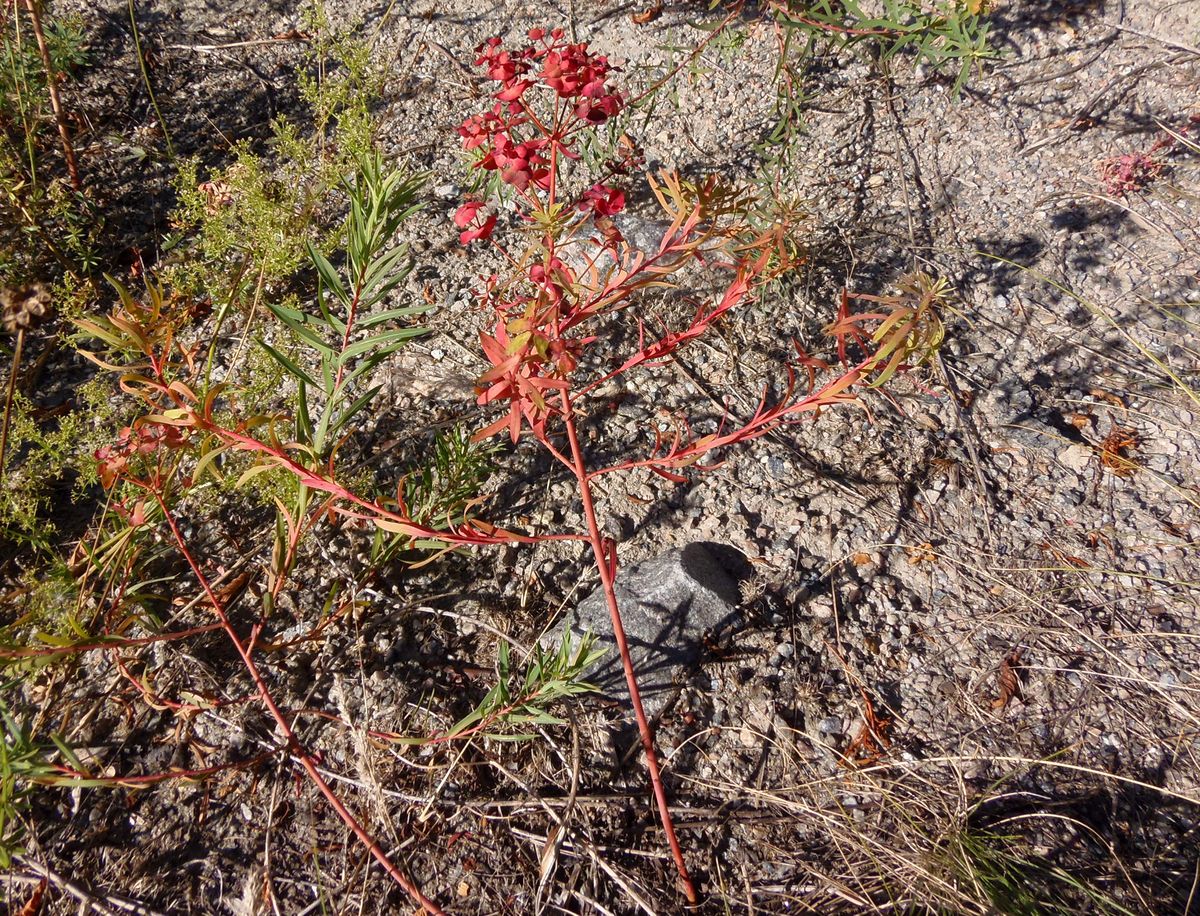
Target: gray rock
667 604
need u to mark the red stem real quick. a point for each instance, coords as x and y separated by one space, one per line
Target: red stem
302 756
68 776
606 581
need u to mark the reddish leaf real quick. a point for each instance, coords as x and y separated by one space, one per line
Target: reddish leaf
34 905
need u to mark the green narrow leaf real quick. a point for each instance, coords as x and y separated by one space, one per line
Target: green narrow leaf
298 323
388 339
327 273
304 427
286 363
358 405
205 460
69 754
331 319
371 321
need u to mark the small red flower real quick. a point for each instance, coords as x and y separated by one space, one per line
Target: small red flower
479 129
468 216
519 164
603 200
502 66
513 91
599 109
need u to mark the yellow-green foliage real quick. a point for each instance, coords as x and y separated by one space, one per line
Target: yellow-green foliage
341 95
248 222
40 456
50 604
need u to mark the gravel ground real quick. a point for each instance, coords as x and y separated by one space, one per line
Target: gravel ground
965 566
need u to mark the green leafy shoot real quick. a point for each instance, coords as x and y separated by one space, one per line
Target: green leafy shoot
374 266
951 32
441 491
521 702
23 763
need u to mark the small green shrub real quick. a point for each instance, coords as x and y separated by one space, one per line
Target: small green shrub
241 229
946 34
47 229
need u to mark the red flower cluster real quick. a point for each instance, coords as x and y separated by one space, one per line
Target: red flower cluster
503 67
573 72
516 142
604 203
1131 172
551 91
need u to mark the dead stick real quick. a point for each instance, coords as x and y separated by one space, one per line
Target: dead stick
52 85
8 397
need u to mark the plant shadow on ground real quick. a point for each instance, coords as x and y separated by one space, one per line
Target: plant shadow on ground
1010 21
207 105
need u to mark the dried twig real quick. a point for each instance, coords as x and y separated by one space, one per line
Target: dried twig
35 17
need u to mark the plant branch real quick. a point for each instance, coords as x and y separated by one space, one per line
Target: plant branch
605 557
8 397
293 743
35 17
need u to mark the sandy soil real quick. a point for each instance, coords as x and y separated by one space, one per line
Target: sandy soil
969 533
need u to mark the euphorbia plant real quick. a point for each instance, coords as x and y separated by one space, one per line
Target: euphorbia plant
573 272
569 279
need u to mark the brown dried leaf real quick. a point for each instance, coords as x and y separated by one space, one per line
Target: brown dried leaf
647 15
549 856
23 308
217 196
1107 396
229 593
1009 679
1116 451
872 741
922 553
34 906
